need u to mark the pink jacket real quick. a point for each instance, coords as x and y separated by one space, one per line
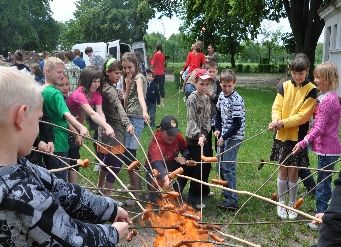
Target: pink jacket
325 133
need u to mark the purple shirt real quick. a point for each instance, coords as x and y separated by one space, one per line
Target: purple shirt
324 135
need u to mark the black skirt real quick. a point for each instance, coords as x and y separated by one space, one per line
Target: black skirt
281 150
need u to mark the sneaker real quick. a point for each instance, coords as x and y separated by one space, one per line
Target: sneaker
291 214
96 168
227 206
209 195
199 206
313 226
282 212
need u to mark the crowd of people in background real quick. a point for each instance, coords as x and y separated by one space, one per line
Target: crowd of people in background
119 98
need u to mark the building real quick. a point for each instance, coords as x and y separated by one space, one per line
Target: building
332 34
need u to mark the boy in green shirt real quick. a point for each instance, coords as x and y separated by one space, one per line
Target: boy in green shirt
58 112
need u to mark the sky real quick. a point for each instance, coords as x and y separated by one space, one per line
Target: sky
63 11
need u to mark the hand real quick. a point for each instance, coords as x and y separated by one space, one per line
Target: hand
122 216
297 149
180 160
146 117
216 133
220 142
79 140
50 147
280 124
122 229
42 146
201 141
319 216
130 129
83 131
109 131
273 125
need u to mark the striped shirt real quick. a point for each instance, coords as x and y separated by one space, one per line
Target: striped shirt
230 119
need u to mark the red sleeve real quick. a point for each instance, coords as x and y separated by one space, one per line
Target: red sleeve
154 152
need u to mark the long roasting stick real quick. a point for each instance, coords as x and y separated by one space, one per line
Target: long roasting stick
254 195
237 239
114 174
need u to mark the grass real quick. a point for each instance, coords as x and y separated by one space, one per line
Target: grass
258 103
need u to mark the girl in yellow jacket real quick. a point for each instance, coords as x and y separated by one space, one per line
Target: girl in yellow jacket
291 111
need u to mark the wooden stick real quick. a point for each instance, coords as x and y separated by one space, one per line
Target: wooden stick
62 157
258 223
237 239
254 195
184 242
63 168
114 174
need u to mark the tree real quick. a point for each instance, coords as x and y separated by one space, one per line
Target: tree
105 20
224 31
28 25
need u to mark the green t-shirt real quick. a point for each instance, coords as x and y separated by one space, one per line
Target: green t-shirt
56 107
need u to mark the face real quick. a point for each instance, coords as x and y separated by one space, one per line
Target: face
64 86
150 77
210 49
56 74
128 69
95 85
227 87
30 129
321 85
114 76
202 86
193 47
167 138
212 72
299 77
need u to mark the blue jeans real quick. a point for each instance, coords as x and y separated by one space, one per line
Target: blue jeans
152 112
324 189
129 140
189 89
228 171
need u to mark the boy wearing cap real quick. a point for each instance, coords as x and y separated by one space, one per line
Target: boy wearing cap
171 142
230 129
198 127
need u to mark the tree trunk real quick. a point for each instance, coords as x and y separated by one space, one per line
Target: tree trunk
233 60
306 26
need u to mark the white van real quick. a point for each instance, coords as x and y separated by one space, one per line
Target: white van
112 49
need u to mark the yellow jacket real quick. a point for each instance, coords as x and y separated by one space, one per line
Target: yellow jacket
294 105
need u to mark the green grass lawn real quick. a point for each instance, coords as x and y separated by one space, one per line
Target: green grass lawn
258 113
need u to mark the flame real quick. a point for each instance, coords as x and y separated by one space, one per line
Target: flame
183 218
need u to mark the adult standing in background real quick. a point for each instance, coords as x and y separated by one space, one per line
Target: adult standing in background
19 62
45 56
158 63
212 54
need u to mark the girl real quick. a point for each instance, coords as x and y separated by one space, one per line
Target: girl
291 111
86 97
324 134
135 87
195 60
117 118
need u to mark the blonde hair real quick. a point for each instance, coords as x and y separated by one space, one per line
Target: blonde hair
51 62
327 72
17 88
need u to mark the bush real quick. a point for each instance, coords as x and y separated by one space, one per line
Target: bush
282 68
247 68
266 68
240 67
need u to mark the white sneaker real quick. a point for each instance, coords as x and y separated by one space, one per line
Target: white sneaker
282 212
199 206
313 226
291 214
96 168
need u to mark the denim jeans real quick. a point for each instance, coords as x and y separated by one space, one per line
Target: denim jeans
228 170
152 112
130 140
324 189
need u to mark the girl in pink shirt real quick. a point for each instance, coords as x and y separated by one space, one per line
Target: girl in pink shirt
324 136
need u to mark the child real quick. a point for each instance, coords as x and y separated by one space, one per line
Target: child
117 118
135 86
195 60
291 111
37 73
152 97
37 208
324 135
198 127
230 129
58 113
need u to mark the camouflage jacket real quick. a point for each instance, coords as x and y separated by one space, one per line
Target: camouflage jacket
73 72
198 116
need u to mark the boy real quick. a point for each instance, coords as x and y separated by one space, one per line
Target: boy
163 152
230 129
198 127
58 112
37 208
152 97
